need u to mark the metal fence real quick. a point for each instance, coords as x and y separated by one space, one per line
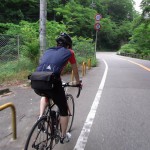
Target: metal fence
9 48
9 54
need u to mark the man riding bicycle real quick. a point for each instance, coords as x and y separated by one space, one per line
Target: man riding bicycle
54 60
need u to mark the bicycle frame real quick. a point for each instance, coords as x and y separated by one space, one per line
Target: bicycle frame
50 124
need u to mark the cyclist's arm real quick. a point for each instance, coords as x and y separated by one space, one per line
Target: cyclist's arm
73 63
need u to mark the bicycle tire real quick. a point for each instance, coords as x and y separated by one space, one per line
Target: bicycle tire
40 137
71 111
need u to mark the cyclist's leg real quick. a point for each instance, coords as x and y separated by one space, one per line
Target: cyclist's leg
59 98
44 100
71 111
43 104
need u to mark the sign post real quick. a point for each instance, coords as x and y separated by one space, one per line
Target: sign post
97 27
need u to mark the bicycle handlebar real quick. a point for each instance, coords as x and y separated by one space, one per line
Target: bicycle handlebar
71 85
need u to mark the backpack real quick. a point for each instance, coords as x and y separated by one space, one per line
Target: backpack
42 80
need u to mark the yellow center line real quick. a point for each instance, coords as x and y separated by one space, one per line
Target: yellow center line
142 66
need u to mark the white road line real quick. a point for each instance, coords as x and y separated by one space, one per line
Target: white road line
82 140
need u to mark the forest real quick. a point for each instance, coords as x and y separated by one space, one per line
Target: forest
122 29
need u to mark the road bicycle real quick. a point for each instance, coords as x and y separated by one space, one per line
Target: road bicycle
45 133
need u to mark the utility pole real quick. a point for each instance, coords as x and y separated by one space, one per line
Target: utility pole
93 5
43 18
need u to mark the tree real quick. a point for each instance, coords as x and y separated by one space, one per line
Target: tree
107 35
145 5
16 10
78 19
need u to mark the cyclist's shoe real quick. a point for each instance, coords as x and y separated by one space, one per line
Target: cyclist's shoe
42 146
41 126
65 139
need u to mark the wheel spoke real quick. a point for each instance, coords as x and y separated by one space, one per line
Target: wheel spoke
40 136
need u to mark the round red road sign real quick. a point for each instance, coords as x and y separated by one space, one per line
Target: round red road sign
98 17
97 26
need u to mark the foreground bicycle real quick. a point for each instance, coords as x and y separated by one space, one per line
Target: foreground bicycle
45 133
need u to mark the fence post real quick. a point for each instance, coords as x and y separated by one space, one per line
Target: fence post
83 68
13 117
72 76
89 63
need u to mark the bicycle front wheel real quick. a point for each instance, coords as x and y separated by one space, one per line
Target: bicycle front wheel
71 111
40 136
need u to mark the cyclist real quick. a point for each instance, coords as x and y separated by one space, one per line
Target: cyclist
54 60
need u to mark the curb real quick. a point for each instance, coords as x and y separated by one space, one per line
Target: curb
4 91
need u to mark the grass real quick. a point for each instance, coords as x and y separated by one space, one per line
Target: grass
15 70
18 71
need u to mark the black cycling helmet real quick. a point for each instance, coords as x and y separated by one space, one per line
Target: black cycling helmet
64 40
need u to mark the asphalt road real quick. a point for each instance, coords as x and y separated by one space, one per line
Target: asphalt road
112 112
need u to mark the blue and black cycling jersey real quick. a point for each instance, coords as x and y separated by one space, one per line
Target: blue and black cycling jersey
54 60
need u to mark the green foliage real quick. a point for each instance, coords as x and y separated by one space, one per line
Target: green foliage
77 18
16 10
145 5
140 40
9 28
29 39
31 50
107 35
125 31
119 10
28 32
127 48
141 37
53 29
84 48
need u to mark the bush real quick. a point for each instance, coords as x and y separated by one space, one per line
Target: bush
83 47
127 48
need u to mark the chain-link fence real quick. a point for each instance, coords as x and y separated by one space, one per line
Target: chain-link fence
9 54
9 48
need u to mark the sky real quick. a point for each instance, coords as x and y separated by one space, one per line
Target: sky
137 8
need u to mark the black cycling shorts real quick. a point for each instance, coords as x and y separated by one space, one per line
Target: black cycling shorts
58 96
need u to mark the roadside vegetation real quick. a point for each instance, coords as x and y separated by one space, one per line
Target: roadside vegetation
122 29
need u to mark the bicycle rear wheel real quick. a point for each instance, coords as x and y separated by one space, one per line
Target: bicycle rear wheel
40 136
71 111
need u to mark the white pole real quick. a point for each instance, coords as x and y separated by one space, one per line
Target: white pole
43 17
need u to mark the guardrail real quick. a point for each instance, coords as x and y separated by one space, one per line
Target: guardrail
11 105
134 55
